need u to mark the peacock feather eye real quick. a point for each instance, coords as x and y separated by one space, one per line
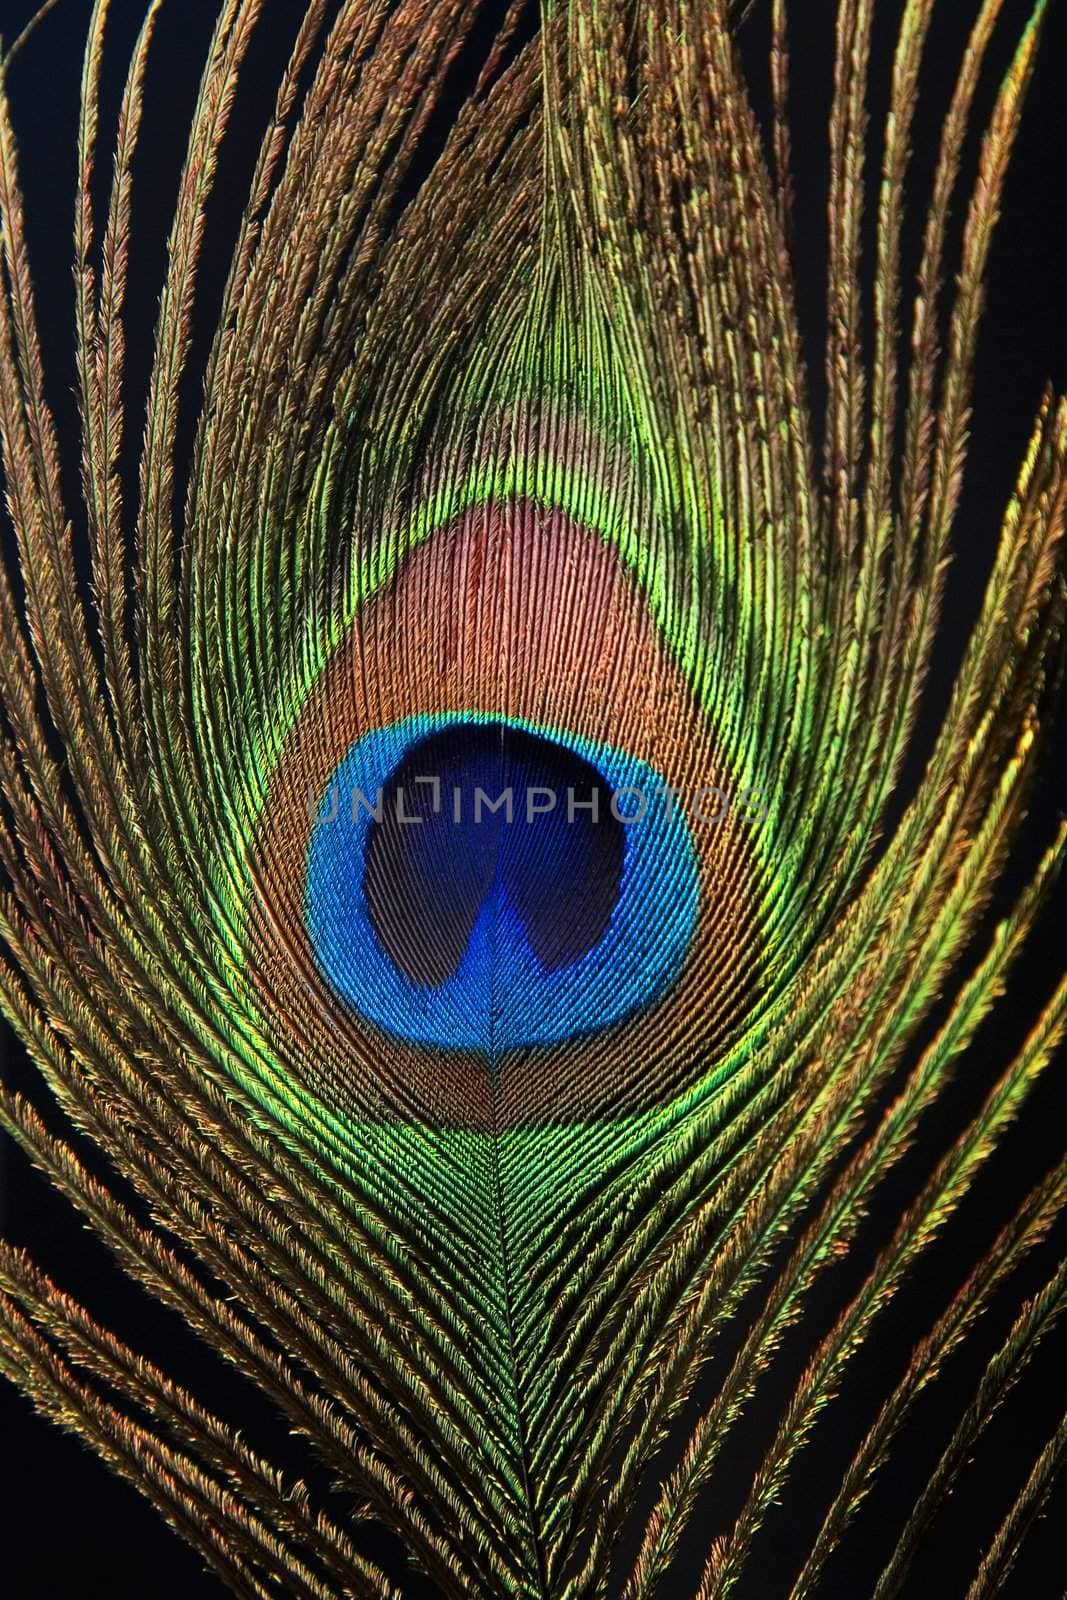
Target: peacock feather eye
488 886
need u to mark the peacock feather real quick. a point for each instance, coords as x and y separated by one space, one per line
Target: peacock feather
462 874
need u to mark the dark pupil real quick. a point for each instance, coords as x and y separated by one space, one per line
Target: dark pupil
559 870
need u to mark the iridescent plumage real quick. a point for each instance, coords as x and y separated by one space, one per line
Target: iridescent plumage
471 1140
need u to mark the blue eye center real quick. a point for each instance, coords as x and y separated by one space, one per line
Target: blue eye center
484 885
489 820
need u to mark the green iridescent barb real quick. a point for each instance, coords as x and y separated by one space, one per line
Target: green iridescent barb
471 1139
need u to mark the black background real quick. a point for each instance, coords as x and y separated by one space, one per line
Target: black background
67 1528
